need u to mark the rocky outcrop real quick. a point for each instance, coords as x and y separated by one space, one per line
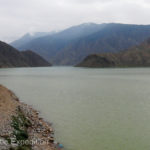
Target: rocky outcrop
21 128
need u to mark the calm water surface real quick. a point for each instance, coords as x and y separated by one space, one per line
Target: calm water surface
91 109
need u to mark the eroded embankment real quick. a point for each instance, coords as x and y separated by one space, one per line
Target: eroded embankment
21 128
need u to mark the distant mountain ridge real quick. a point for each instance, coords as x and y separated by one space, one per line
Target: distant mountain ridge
138 56
49 46
10 57
72 45
29 37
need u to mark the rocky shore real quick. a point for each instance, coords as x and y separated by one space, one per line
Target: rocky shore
21 128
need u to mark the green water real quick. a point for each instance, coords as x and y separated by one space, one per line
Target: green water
91 109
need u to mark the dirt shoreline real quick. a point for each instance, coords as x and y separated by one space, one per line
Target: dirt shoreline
21 128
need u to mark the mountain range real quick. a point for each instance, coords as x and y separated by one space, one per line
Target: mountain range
72 45
137 56
11 57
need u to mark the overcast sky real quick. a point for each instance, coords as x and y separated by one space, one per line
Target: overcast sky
18 17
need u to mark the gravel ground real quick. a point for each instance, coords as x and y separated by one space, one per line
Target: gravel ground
40 132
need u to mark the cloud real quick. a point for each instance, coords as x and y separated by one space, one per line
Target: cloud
18 17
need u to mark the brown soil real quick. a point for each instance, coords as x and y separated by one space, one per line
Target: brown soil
39 129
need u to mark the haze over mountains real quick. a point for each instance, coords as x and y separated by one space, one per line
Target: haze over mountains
10 57
29 37
72 45
138 56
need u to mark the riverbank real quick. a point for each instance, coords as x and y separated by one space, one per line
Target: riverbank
21 128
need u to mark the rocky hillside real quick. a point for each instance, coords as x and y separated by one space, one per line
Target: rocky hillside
72 45
138 56
10 57
20 126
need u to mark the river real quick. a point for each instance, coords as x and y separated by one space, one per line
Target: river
91 109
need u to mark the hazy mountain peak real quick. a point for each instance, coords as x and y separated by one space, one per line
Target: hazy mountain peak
28 37
88 24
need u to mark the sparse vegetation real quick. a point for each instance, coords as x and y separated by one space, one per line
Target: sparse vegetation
138 56
22 129
20 124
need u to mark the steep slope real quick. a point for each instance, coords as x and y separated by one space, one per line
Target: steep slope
113 38
72 45
138 56
34 60
10 57
50 45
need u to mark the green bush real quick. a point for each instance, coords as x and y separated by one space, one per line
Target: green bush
20 124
